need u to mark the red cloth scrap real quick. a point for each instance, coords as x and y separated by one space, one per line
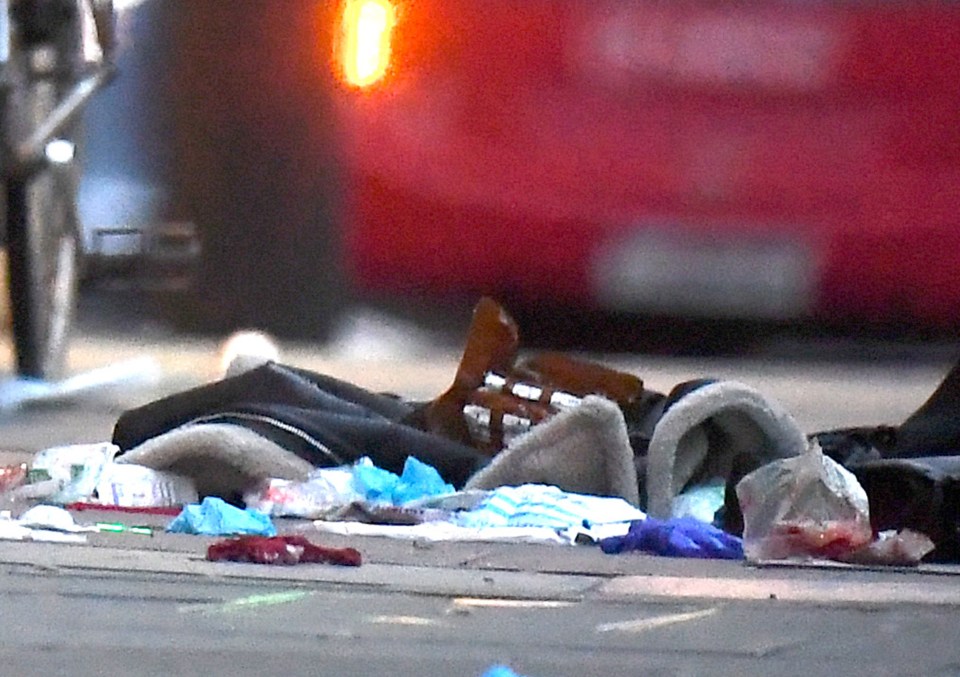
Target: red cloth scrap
280 550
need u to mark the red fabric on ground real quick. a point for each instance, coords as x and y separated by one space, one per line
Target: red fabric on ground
280 550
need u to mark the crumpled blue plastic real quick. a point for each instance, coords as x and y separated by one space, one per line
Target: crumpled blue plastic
216 517
676 537
418 480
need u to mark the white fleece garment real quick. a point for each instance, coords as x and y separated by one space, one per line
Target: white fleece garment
221 458
679 447
582 450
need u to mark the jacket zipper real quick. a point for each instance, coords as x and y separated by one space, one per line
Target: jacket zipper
280 425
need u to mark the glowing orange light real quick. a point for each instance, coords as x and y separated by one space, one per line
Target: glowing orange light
365 42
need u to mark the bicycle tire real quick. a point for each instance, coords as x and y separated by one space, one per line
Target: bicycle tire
42 254
42 237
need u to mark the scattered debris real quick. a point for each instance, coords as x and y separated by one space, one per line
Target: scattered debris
280 550
547 448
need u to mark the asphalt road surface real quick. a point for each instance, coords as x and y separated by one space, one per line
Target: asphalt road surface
58 624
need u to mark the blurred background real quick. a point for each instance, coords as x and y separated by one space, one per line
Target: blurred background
693 178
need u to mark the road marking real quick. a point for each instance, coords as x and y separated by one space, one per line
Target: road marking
919 591
402 620
511 603
643 624
249 602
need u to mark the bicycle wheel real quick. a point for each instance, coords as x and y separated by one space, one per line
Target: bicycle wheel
42 248
42 240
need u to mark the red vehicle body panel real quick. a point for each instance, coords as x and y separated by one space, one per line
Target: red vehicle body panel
771 159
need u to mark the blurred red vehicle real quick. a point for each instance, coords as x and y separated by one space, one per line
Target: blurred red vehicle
767 159
697 158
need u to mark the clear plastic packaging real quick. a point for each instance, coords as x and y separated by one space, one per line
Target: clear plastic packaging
804 506
324 492
67 474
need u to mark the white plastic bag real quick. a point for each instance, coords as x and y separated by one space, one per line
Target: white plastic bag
804 506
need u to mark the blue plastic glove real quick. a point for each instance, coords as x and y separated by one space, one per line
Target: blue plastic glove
216 517
376 485
676 537
418 480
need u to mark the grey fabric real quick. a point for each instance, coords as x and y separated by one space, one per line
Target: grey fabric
699 436
223 459
583 450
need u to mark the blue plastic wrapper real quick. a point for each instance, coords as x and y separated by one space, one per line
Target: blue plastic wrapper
216 517
500 671
418 480
676 537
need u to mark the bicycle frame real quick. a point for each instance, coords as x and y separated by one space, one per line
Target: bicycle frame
27 154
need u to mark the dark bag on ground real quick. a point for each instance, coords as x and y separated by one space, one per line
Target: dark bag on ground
922 494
